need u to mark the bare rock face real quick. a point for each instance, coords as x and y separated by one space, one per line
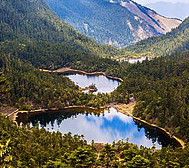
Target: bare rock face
159 22
115 22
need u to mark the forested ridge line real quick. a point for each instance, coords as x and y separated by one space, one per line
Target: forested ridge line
31 32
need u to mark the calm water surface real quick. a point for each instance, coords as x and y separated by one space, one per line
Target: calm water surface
103 84
108 127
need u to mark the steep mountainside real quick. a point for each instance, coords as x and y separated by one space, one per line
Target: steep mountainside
31 37
173 10
115 22
31 32
173 42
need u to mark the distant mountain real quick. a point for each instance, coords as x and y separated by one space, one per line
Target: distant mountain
172 43
116 22
172 10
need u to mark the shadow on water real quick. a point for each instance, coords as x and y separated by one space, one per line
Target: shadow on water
157 135
51 117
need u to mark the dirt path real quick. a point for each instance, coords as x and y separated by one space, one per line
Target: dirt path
126 109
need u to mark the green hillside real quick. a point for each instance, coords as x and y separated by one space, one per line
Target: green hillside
174 42
31 37
31 32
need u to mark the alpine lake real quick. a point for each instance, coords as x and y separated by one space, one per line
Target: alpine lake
102 126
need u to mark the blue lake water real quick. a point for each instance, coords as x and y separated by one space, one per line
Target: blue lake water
106 128
103 84
101 126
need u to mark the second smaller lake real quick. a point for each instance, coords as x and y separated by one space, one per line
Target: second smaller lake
103 84
134 61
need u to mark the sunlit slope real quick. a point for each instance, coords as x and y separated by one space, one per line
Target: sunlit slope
174 42
115 22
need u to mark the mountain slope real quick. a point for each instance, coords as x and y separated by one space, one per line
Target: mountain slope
32 37
115 22
31 32
173 10
160 23
173 42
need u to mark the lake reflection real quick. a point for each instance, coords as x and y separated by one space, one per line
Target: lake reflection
108 127
103 84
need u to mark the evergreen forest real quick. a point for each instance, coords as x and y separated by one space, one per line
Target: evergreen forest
33 38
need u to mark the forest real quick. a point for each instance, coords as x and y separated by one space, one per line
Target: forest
31 32
32 38
32 89
161 89
34 147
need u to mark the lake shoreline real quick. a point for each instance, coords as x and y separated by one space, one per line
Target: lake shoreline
57 110
67 70
122 109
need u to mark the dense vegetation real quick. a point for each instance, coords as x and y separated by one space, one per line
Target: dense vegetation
161 88
31 32
33 37
172 43
34 147
4 85
32 89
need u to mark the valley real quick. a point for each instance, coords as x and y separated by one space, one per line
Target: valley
139 118
104 85
118 23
